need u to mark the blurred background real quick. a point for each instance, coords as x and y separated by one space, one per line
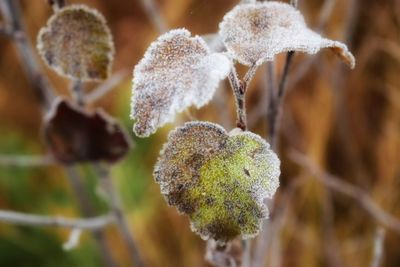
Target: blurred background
347 122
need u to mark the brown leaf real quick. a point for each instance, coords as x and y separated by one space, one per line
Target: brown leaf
77 44
74 135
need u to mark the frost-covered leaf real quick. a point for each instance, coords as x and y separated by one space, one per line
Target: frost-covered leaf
74 135
218 179
77 43
176 72
255 33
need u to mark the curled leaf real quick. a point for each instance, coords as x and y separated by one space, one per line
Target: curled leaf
255 33
77 43
177 71
218 179
74 135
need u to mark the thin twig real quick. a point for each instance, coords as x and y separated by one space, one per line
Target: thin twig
239 90
272 230
45 92
56 4
276 103
77 92
379 242
301 70
5 31
294 3
154 15
20 218
87 209
105 87
246 253
12 16
115 205
360 196
25 161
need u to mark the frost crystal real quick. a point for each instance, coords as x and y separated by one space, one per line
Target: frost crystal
176 72
77 44
218 179
255 33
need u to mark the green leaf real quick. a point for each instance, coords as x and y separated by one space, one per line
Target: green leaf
76 43
219 180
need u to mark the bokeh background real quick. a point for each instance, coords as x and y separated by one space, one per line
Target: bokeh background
347 122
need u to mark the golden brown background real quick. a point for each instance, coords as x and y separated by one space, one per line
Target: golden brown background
348 122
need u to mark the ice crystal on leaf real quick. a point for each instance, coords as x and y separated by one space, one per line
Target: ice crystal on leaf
218 179
255 33
177 71
77 44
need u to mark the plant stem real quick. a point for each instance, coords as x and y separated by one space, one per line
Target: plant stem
239 91
379 244
339 185
41 85
24 161
77 92
153 13
19 218
45 93
115 205
56 4
276 103
87 209
108 187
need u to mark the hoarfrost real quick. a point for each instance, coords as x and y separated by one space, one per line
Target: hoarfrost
219 180
256 32
177 71
77 44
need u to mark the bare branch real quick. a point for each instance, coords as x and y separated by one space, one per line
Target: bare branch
246 253
241 121
115 205
87 209
154 15
19 218
379 241
12 15
26 161
105 87
335 183
276 102
272 227
301 70
56 4
214 42
239 90
77 92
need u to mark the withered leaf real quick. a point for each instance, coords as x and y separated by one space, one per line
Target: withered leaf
77 43
254 33
74 135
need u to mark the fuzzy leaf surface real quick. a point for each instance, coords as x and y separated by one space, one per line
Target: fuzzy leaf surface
219 180
176 72
254 33
77 44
